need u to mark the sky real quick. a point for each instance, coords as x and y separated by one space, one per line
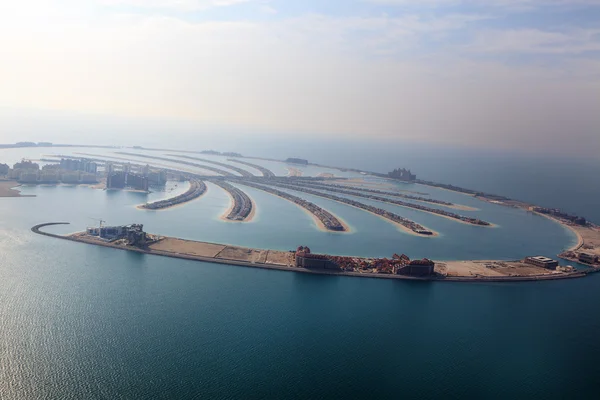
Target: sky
497 74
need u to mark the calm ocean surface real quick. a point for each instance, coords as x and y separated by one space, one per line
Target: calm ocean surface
83 322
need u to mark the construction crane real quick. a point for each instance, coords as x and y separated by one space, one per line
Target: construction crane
101 221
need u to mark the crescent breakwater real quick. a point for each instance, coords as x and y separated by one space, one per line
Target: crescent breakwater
285 261
242 204
395 218
267 173
240 171
197 189
330 222
473 221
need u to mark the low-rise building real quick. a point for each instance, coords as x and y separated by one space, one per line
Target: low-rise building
424 267
541 261
588 258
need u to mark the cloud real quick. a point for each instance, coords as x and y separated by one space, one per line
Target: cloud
487 3
186 5
337 76
535 41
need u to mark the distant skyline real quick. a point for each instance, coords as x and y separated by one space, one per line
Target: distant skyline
502 74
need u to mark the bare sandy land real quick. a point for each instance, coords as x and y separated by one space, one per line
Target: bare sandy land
188 247
279 257
489 268
6 189
294 171
589 240
222 251
250 216
243 254
326 175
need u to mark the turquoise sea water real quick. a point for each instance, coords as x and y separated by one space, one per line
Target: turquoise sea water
80 321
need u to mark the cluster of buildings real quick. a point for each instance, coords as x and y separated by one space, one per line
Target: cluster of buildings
399 265
293 160
402 175
242 205
474 221
133 234
331 223
139 178
582 257
84 165
124 179
197 189
30 172
555 212
417 228
328 186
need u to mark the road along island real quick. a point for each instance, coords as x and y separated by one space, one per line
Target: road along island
133 238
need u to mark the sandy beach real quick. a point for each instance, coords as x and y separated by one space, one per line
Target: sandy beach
490 268
6 189
294 171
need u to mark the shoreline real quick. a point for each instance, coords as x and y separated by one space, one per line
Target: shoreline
319 224
454 206
250 216
580 241
287 267
141 206
400 227
8 188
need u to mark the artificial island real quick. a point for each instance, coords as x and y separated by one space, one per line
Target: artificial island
125 171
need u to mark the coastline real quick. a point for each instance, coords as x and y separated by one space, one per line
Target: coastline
580 241
8 188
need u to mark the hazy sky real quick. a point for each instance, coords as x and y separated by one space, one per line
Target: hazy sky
489 73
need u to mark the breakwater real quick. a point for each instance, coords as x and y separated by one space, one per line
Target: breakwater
197 189
330 222
271 259
242 205
473 221
240 171
267 173
405 222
